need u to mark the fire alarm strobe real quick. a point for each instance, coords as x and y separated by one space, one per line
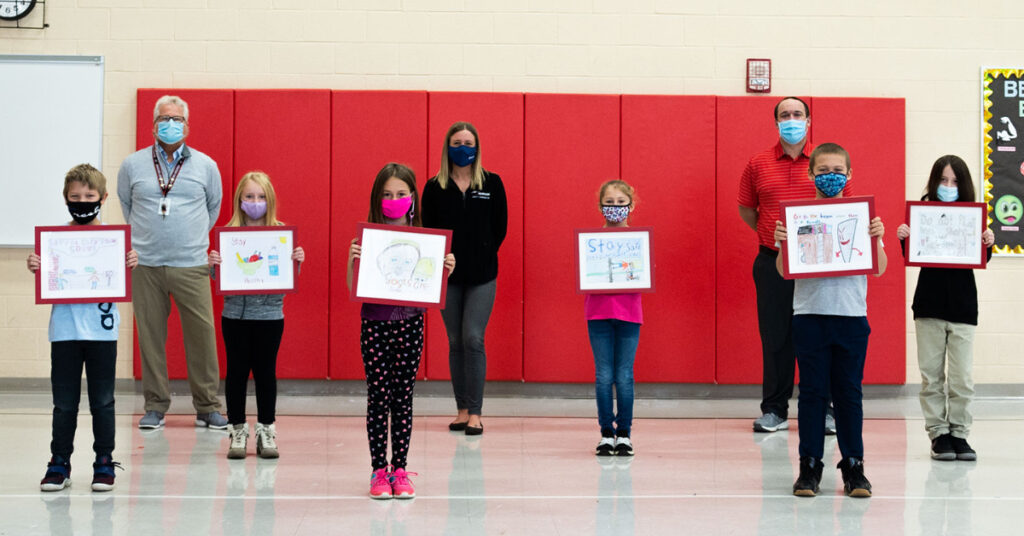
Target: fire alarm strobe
759 75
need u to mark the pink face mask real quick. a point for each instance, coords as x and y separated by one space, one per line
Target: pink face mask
397 208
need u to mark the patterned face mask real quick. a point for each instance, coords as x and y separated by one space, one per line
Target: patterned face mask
615 213
830 184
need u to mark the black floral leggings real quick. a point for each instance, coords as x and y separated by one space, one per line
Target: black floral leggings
391 356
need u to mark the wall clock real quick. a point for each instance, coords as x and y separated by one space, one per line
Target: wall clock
15 9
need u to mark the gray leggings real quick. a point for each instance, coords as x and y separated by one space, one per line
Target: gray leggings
466 312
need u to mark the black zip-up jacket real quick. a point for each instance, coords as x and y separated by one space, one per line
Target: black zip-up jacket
478 220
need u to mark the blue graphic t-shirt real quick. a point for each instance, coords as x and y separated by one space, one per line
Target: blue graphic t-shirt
84 322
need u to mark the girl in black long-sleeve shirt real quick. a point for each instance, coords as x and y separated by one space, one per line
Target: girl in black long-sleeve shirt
945 315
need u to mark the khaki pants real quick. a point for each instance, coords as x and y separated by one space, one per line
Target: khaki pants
945 357
152 288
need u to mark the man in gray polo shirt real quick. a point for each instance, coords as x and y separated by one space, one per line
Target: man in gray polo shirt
170 195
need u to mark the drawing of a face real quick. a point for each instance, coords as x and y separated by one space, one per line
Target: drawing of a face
1009 210
845 232
398 260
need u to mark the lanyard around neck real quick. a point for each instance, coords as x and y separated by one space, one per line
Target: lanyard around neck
166 185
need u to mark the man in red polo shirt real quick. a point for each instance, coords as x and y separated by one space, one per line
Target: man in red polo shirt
771 176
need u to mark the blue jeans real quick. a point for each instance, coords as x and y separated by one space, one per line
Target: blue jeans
614 345
830 351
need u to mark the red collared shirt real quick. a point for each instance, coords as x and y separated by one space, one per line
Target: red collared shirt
772 176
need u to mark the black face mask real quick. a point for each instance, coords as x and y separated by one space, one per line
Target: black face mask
84 212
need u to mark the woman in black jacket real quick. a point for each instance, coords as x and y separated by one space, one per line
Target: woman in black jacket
471 202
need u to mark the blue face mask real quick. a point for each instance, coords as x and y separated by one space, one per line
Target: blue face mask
830 184
462 155
170 132
948 193
793 130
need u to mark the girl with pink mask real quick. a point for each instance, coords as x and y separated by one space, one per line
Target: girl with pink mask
391 338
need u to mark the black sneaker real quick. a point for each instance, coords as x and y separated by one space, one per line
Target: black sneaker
806 484
103 473
942 448
58 475
855 484
962 449
623 446
607 445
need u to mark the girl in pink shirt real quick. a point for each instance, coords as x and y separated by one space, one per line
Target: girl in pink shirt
613 323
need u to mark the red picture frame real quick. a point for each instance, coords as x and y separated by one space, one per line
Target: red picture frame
982 209
361 229
623 287
126 229
218 235
830 209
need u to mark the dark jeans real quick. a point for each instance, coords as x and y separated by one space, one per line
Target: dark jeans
614 345
831 352
774 321
466 312
66 361
251 346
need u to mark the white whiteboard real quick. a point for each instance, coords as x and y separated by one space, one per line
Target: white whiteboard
51 119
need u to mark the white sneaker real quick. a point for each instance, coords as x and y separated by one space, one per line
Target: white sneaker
266 447
239 440
623 446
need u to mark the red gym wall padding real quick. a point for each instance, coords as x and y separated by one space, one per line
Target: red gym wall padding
368 130
668 156
498 117
744 127
286 133
572 146
211 131
323 149
872 131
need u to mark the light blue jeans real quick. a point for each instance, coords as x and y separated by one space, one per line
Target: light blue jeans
614 345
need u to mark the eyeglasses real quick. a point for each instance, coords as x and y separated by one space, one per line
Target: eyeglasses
172 118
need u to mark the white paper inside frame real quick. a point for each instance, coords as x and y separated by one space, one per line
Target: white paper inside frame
615 260
829 237
257 260
82 265
396 265
945 234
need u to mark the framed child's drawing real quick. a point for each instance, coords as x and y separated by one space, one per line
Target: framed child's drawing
256 260
614 260
945 235
828 237
83 264
401 265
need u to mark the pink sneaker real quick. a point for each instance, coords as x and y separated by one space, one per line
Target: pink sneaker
401 485
380 486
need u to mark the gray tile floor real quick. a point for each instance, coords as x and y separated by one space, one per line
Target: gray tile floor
698 470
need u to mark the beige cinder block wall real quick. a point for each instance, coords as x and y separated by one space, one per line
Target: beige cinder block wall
929 53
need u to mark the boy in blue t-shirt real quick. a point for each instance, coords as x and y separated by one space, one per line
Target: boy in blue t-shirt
830 334
82 334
